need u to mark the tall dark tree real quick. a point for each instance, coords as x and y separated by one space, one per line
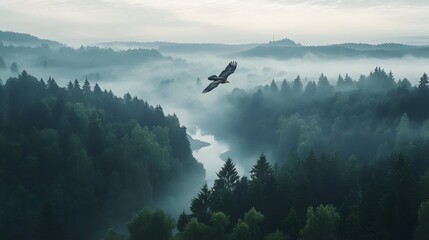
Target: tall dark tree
97 89
323 85
201 205
48 227
424 81
262 171
52 85
399 203
183 221
311 88
297 85
273 87
227 177
224 190
86 88
284 89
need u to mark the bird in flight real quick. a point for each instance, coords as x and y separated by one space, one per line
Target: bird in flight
222 77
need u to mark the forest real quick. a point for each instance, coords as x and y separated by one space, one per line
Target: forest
75 160
347 162
323 158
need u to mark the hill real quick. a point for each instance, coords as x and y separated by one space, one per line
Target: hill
23 39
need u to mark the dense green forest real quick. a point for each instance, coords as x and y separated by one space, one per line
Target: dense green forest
348 162
77 159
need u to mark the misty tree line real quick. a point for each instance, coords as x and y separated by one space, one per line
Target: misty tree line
83 57
13 66
77 159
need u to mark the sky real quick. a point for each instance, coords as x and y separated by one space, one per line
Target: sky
310 22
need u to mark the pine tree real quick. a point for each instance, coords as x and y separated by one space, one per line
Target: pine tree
227 177
311 88
424 81
262 170
323 85
273 87
52 85
284 89
97 89
86 88
201 205
297 85
76 85
183 221
340 82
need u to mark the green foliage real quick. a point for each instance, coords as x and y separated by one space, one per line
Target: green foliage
321 223
241 231
254 220
111 234
424 186
183 221
422 230
291 224
275 236
196 231
150 225
219 223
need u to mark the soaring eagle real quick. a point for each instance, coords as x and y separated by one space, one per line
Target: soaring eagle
222 76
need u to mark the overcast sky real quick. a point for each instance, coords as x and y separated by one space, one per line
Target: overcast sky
314 22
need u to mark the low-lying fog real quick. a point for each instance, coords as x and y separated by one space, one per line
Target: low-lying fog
176 84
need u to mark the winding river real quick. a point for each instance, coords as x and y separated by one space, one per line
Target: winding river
210 156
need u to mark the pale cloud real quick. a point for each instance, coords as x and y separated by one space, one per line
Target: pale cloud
230 21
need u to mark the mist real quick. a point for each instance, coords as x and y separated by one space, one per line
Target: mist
251 115
176 77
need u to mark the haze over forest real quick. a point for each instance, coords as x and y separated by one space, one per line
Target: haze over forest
114 140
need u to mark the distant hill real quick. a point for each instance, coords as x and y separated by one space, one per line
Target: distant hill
180 47
286 42
27 40
287 49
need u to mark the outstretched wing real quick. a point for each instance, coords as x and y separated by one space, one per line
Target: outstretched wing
228 70
211 86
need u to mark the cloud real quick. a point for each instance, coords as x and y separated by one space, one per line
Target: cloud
229 21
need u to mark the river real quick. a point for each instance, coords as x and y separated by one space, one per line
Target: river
210 156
